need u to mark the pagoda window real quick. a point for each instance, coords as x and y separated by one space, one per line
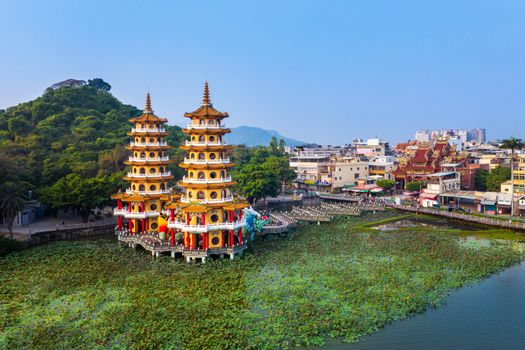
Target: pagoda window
200 195
213 174
211 138
133 187
190 194
142 188
223 173
161 169
212 156
193 138
154 225
202 138
202 122
142 171
143 126
153 188
192 156
153 207
213 195
162 187
135 170
214 218
151 154
143 140
142 155
201 156
200 175
191 175
211 122
223 193
151 126
151 140
152 170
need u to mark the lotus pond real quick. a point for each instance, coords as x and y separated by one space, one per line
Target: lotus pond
341 279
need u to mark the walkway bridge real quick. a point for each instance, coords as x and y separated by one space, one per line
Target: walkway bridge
285 220
509 224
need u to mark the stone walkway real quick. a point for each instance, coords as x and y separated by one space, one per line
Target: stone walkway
48 224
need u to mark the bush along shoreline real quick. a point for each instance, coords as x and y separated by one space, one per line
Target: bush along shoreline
335 280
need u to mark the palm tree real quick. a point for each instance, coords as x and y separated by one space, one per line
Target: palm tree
512 144
11 203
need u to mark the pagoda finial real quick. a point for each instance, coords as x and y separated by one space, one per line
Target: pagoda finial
206 96
147 109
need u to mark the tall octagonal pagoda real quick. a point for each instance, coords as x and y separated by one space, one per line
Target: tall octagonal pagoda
148 176
208 215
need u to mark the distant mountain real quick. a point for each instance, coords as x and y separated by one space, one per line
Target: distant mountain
253 136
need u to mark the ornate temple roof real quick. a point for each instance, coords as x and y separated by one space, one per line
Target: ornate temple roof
206 109
148 116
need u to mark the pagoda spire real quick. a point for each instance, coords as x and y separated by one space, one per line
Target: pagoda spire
147 109
206 96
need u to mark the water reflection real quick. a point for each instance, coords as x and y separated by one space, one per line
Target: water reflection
486 315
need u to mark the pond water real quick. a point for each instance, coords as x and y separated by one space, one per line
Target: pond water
431 222
486 315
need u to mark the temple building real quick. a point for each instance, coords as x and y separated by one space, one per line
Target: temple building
208 215
139 208
200 219
425 158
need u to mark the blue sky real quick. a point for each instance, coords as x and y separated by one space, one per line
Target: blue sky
320 71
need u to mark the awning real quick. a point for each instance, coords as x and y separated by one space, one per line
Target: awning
488 202
428 195
377 190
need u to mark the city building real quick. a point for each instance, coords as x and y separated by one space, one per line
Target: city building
371 148
463 136
208 215
312 171
347 171
382 166
519 175
148 176
426 159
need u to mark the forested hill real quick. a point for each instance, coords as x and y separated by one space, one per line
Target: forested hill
69 137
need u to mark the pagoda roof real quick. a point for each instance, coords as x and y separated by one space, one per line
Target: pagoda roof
148 116
206 109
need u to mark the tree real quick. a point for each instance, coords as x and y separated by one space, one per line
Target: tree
75 191
256 181
385 183
481 179
99 84
496 177
11 203
415 185
513 144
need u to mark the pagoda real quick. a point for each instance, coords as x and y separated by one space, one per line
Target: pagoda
208 215
139 208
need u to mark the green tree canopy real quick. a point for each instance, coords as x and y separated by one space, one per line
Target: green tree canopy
496 177
80 131
385 183
99 84
482 176
415 185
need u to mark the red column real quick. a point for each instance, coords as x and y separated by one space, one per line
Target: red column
204 240
231 231
172 214
172 236
143 226
240 229
119 218
130 222
187 241
193 240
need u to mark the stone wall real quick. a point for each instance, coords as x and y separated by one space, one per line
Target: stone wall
70 233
